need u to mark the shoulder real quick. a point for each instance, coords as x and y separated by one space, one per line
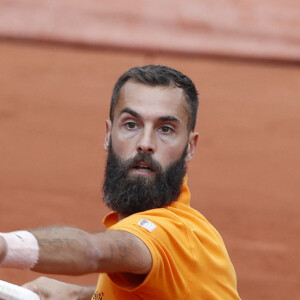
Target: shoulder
160 229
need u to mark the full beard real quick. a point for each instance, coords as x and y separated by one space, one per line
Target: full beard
131 194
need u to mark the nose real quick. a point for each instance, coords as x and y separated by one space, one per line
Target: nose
146 142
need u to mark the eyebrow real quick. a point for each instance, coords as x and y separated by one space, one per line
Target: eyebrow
130 111
161 119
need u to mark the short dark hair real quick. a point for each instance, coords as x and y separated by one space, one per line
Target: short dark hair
155 75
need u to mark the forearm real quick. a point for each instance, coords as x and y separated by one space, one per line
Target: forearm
57 250
66 250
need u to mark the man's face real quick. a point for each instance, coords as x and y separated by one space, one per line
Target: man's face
150 132
150 119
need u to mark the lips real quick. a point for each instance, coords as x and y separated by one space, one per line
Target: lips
142 166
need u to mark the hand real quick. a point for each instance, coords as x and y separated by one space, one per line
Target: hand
51 289
3 248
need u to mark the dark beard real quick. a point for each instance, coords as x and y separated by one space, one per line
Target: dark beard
130 194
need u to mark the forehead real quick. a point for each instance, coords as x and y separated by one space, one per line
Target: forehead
152 101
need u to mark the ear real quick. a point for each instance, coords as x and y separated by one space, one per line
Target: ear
108 126
193 139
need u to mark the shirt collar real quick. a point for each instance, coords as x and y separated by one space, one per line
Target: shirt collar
185 195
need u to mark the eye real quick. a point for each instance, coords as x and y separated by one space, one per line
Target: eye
130 125
166 129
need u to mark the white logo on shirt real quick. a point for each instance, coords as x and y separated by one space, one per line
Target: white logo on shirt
147 225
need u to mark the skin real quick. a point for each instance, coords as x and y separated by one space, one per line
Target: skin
78 252
62 290
146 119
3 248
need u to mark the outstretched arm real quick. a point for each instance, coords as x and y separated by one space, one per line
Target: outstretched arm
71 251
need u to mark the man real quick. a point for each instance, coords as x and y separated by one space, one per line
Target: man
156 245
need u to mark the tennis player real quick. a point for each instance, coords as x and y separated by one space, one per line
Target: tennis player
156 246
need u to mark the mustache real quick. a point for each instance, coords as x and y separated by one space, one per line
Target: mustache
144 157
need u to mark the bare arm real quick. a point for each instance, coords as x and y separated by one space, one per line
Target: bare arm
71 251
50 289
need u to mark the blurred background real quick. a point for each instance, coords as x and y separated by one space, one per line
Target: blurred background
59 60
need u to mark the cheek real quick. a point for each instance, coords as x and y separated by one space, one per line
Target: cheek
123 147
168 155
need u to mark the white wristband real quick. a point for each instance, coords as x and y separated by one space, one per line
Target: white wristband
22 250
